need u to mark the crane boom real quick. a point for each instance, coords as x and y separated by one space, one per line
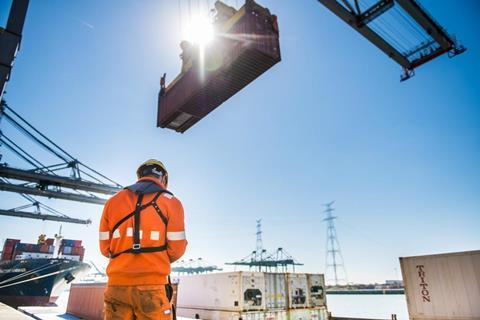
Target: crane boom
42 216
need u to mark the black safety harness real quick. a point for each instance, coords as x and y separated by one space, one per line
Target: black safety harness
142 188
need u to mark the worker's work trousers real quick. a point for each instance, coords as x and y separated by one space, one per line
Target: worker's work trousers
145 302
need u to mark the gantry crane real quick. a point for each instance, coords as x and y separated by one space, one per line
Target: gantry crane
429 39
368 17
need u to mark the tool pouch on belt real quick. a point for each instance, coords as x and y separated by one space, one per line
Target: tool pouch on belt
169 293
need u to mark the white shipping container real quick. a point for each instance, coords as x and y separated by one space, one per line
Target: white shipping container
226 291
205 314
275 291
443 286
297 290
316 290
308 314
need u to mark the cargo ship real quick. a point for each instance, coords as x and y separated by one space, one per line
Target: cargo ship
36 274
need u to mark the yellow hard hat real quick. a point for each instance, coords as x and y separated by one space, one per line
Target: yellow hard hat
149 166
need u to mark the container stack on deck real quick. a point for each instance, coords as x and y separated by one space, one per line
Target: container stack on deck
72 249
13 249
252 295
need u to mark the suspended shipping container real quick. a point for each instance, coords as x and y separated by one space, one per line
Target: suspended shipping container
443 286
246 44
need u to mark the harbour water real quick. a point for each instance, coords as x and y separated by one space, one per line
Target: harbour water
376 306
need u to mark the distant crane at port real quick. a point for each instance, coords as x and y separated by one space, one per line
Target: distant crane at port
194 266
334 257
259 259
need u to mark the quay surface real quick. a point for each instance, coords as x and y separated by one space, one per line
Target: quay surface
7 312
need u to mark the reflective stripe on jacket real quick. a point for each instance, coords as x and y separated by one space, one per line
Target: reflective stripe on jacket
148 267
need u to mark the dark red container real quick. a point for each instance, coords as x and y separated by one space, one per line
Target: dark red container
50 241
246 46
6 255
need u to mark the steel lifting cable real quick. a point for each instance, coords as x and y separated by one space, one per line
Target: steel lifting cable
6 144
41 134
98 173
388 37
95 178
26 273
36 278
400 37
10 141
384 29
51 210
180 25
29 134
25 131
420 37
189 11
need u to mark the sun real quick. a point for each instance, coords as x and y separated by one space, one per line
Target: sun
199 31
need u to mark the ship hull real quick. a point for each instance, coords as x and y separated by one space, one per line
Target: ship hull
36 282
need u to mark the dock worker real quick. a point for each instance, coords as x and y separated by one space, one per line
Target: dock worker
142 232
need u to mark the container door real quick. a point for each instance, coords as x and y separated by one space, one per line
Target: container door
253 288
297 290
316 290
275 291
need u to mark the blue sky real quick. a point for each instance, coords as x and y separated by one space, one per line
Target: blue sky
331 121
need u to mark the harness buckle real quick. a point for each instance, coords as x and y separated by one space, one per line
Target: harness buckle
136 246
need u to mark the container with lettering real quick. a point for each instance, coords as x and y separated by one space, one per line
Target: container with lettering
443 286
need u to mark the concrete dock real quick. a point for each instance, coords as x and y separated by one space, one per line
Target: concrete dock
46 313
10 313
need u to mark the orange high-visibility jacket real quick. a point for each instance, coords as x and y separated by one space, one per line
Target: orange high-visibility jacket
145 267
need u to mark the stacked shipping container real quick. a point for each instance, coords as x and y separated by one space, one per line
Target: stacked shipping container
8 249
443 286
13 249
71 249
252 295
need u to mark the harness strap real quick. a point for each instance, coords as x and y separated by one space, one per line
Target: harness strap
136 223
136 248
140 250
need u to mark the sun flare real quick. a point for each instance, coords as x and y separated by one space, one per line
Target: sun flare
199 31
